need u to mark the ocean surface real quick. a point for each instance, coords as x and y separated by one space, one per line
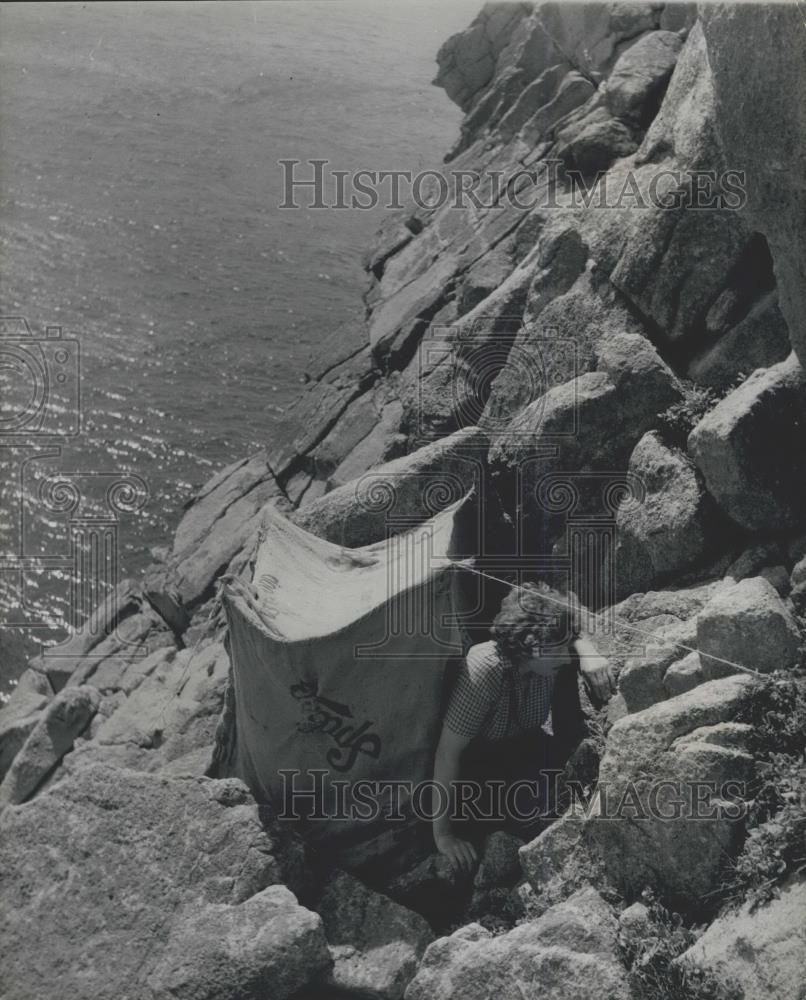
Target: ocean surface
139 181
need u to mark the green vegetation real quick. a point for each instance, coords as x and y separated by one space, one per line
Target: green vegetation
650 952
776 843
678 421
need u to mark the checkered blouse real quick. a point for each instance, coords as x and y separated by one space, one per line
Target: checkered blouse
491 700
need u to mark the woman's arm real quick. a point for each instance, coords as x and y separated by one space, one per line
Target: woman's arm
460 853
595 668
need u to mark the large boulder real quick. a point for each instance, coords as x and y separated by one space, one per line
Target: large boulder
65 718
667 532
562 859
653 826
21 712
744 449
267 946
761 950
657 645
399 494
759 340
376 945
650 633
646 385
559 457
591 143
748 625
569 951
565 321
639 77
589 403
598 417
683 675
675 264
685 124
761 120
111 876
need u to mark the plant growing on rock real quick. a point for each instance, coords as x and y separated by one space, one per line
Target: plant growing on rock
778 715
776 841
679 420
650 951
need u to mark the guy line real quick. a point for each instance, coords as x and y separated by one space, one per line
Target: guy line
631 628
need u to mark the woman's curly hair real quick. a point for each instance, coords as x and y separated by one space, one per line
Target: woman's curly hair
534 615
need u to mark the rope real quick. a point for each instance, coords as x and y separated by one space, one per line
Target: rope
625 625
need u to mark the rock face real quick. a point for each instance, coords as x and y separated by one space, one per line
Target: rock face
152 871
661 834
467 61
640 76
653 633
642 681
683 675
590 423
375 944
742 447
749 625
218 524
174 709
763 951
20 714
760 340
65 718
409 490
266 946
569 951
761 120
563 859
524 345
667 532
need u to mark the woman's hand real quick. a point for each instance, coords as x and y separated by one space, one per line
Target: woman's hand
461 853
596 669
599 676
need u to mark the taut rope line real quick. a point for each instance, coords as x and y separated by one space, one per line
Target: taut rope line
631 628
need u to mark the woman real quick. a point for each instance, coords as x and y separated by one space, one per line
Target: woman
503 696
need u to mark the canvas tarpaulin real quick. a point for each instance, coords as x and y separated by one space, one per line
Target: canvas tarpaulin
338 661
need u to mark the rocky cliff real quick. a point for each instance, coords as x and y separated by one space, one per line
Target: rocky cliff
617 301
